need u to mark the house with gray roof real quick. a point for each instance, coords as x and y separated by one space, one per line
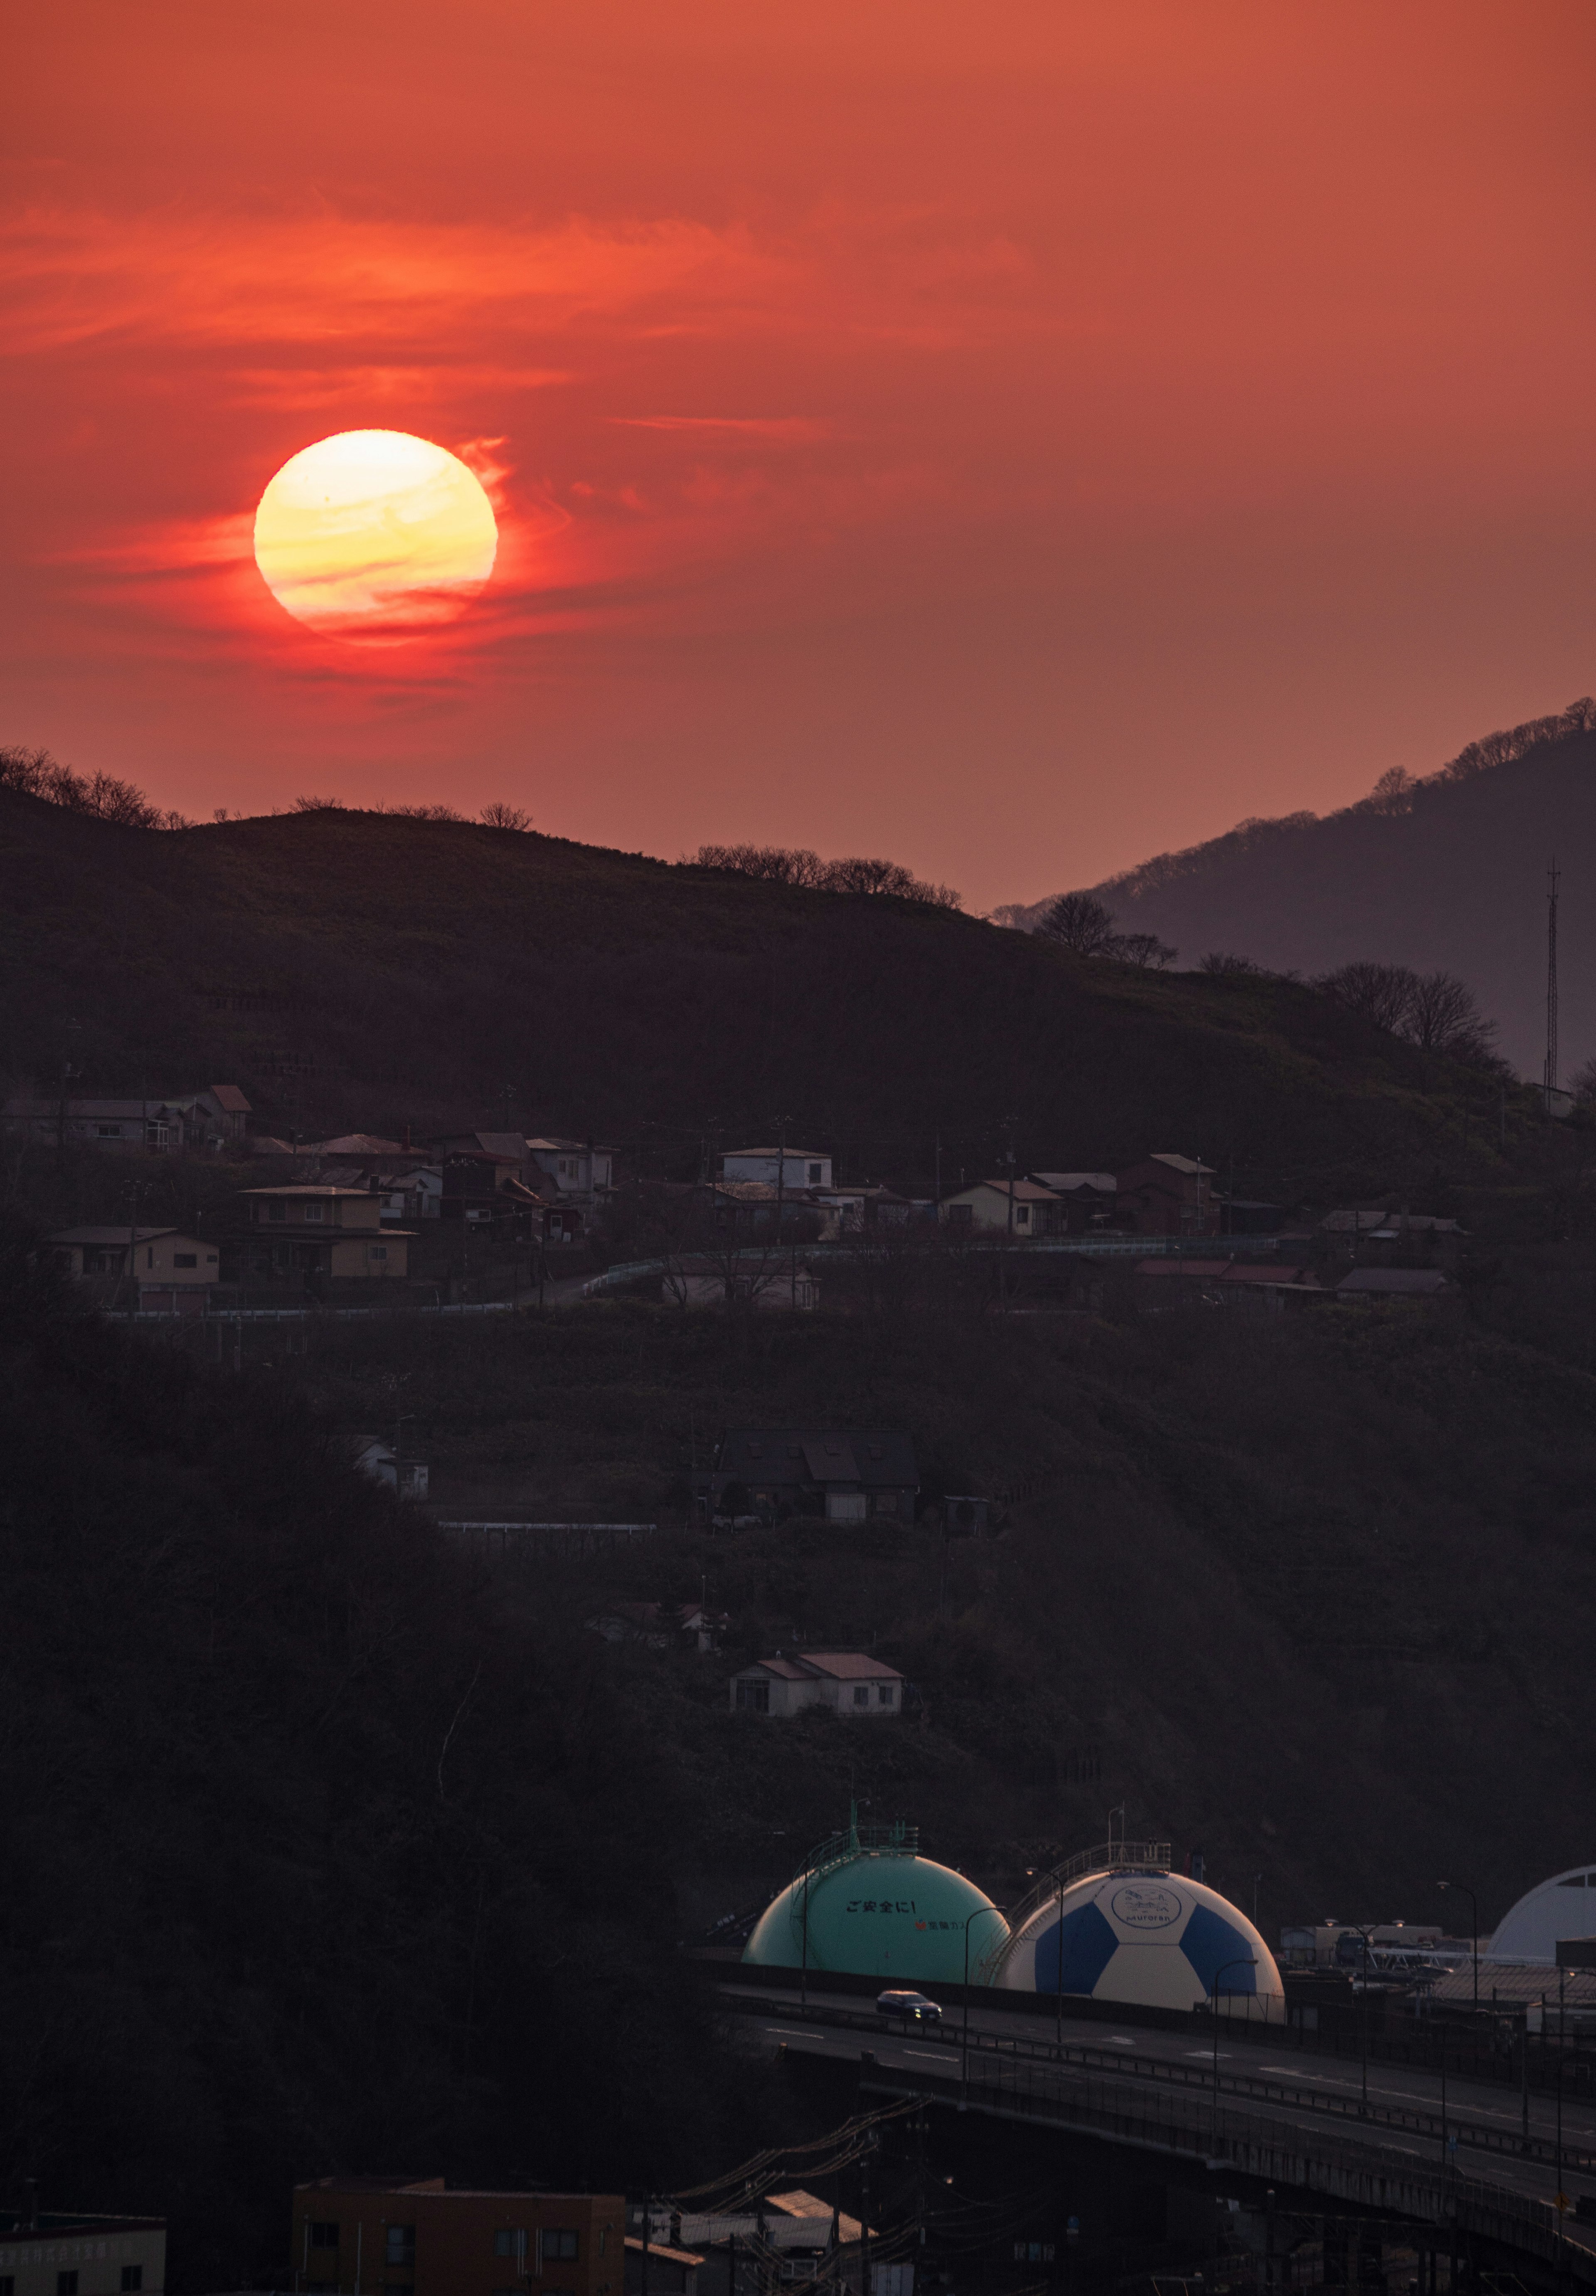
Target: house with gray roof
848 1475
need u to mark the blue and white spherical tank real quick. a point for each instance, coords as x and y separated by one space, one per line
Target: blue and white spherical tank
1148 1938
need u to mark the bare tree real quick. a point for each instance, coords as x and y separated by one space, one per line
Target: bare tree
1081 923
1444 1017
1435 1011
1582 1083
1382 993
862 875
1142 949
500 816
1227 966
1393 792
34 773
774 865
782 865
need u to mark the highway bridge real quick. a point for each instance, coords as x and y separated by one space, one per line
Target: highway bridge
1478 2158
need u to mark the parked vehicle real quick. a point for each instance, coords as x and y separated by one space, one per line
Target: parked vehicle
911 2007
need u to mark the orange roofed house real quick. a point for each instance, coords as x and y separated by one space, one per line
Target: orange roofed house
382 2236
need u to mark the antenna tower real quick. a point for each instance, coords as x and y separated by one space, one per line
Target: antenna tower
1550 1075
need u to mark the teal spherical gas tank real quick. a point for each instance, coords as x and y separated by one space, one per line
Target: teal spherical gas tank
885 1914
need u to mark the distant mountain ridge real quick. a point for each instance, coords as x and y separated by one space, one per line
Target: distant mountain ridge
1447 869
357 971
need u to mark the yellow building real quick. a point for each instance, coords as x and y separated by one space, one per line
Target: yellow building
171 1270
336 1233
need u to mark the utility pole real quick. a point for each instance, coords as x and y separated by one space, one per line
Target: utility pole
132 1194
69 1070
1551 1061
782 1124
1008 1224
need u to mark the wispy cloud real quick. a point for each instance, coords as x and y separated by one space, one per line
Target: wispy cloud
75 278
779 430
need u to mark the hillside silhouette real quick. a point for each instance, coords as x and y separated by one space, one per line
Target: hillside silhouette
365 970
1447 871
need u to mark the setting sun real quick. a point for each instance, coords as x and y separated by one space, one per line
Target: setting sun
374 533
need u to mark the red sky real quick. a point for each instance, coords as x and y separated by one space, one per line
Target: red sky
1017 438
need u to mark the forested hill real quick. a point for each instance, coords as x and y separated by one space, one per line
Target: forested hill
1448 870
356 969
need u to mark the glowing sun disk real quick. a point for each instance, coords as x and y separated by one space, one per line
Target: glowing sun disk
374 533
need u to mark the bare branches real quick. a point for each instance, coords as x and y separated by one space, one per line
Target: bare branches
1435 1011
1382 993
1081 923
783 864
34 773
1084 925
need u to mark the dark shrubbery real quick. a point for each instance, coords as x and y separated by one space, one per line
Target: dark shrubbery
315 1859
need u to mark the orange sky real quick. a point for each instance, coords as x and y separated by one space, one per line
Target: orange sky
1017 438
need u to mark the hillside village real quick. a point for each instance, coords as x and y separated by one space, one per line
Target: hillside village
563 1426
356 1219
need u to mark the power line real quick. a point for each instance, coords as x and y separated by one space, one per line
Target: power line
1551 1059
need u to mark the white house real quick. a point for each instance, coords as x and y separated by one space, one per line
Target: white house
849 1681
794 1167
574 1168
1037 1210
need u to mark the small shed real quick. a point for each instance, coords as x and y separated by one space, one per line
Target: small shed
379 1460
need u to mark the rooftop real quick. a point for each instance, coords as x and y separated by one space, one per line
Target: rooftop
836 1666
849 1666
818 1154
354 1143
1025 1191
307 1188
1412 1283
108 1234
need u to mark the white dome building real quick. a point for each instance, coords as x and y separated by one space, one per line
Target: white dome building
1146 1937
1562 1909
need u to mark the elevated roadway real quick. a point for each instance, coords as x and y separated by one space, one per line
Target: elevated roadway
1482 2156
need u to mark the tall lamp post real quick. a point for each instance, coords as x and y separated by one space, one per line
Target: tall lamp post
803 1977
1473 1927
1364 2025
1241 1960
965 2060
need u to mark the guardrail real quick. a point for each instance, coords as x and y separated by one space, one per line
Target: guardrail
1091 1247
1170 2073
1369 2175
303 1315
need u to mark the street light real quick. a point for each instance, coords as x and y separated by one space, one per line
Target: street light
964 2062
1474 1933
1241 1960
1364 2025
